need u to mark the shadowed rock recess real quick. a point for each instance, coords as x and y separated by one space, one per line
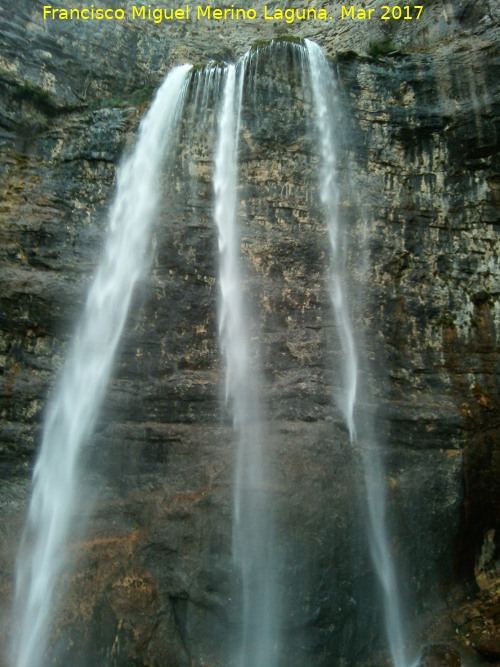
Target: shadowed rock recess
152 581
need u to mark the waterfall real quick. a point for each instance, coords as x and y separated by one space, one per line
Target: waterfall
73 410
324 96
323 92
252 527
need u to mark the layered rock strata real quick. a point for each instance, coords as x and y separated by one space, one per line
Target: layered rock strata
153 582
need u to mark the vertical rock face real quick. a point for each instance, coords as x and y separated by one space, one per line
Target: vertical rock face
153 582
433 258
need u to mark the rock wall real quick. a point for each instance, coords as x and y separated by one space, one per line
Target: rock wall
152 583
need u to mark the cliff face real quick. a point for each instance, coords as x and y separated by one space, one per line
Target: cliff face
153 582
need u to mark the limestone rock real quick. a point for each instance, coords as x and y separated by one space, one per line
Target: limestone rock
153 581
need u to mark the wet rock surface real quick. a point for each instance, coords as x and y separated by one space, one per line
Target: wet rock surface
152 581
440 655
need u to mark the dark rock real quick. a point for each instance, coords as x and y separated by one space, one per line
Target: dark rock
420 193
488 644
440 655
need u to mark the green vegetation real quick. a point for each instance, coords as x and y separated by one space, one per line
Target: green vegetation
446 319
141 96
135 99
37 97
47 106
262 43
208 63
25 91
381 48
259 44
292 39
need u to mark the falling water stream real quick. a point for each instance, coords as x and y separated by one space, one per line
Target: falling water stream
252 528
326 114
73 410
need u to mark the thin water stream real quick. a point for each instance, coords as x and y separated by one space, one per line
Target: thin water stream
326 114
252 526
